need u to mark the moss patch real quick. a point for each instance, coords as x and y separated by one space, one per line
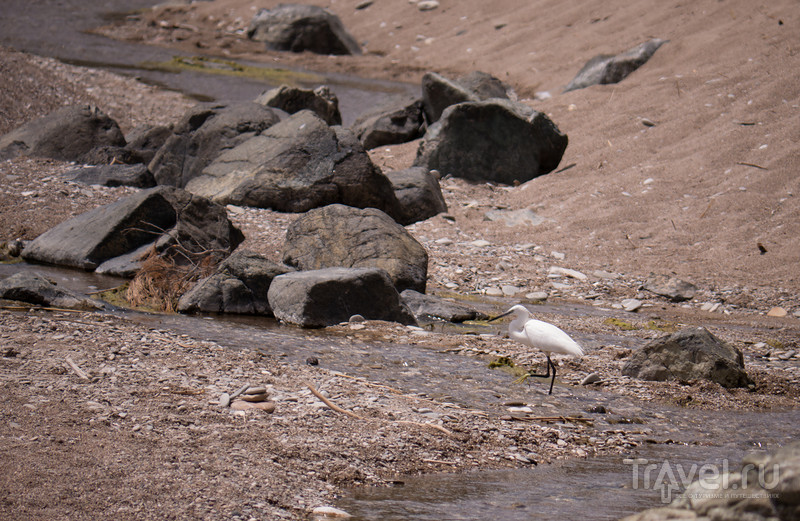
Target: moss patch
620 324
272 75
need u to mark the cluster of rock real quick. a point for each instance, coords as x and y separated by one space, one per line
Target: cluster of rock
765 487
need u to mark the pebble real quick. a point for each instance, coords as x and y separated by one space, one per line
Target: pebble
509 291
788 355
427 5
320 513
711 307
777 312
256 390
254 398
591 378
224 400
566 272
241 405
444 241
494 292
631 304
558 255
481 243
536 295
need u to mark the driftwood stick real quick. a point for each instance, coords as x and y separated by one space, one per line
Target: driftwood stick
78 371
332 405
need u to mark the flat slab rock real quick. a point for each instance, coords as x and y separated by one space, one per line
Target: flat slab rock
326 297
37 289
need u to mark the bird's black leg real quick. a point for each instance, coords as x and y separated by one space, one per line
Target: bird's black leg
549 364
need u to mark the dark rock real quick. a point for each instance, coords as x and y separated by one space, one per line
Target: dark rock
66 135
439 92
496 140
326 297
180 226
419 194
398 121
320 101
430 307
203 134
34 288
113 175
299 164
144 141
672 288
108 155
298 28
604 69
240 285
690 354
485 86
342 236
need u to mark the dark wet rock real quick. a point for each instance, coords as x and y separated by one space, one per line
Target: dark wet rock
326 297
342 236
397 121
675 289
419 194
203 134
426 307
179 225
320 101
298 28
690 354
439 92
765 487
34 288
299 164
604 69
495 140
66 135
113 175
239 285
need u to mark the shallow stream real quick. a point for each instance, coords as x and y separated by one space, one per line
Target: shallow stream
599 488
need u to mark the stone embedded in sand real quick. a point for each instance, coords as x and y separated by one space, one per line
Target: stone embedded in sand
690 354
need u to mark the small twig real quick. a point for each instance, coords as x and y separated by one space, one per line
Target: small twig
97 292
751 165
552 419
332 405
630 241
78 371
707 209
40 308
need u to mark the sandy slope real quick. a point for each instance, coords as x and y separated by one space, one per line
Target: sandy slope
693 195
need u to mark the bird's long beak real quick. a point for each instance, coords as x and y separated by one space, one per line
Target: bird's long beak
499 316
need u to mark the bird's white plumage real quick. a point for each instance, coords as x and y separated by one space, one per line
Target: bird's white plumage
541 335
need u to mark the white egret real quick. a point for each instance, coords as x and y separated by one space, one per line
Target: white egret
541 335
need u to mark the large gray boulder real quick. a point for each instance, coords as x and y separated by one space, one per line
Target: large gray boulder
203 133
66 135
429 307
320 101
299 164
239 285
34 288
439 92
419 194
298 28
179 225
690 354
398 121
342 236
495 140
326 297
604 69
